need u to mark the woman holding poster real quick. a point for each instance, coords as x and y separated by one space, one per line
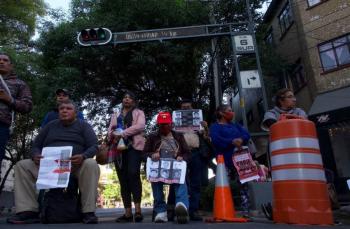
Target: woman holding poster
226 138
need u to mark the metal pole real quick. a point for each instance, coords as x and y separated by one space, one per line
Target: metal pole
216 77
251 30
217 84
238 75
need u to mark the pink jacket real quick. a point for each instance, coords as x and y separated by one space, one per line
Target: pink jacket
136 130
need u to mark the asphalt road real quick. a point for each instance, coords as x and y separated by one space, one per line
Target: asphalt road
107 217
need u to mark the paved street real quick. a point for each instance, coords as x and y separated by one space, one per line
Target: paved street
107 216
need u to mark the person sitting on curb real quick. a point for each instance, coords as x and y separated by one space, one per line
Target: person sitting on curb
66 131
166 143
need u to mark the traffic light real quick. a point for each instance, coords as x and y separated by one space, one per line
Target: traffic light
94 36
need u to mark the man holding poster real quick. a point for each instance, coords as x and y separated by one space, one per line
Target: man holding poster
164 146
67 131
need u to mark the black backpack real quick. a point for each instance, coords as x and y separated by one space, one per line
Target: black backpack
61 205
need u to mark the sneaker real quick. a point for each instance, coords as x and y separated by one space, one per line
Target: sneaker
194 216
125 219
90 218
26 217
161 217
181 213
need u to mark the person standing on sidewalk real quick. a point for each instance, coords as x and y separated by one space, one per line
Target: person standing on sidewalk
226 136
197 142
166 143
61 95
129 124
15 96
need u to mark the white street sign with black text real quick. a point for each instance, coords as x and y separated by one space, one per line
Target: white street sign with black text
250 79
244 44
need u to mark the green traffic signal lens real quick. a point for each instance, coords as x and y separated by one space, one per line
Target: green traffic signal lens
101 34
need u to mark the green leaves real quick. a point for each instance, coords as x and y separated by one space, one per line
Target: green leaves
18 20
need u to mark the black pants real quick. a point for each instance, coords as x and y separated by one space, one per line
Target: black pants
129 176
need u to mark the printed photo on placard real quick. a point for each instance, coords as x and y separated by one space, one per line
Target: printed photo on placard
166 170
185 120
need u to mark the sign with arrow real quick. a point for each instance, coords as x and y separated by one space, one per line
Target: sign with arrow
250 79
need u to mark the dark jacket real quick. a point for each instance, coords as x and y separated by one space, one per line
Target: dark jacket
153 142
20 92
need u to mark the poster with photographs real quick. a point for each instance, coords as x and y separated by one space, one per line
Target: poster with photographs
185 120
246 168
169 171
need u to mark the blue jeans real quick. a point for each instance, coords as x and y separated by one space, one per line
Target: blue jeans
181 195
194 181
4 137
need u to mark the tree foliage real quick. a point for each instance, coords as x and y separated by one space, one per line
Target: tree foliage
18 20
159 73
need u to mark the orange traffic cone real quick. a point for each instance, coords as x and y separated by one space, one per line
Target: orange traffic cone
223 204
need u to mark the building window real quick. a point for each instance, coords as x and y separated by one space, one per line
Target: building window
314 2
297 77
269 38
285 18
335 53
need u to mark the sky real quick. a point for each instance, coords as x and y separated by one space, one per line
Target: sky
64 4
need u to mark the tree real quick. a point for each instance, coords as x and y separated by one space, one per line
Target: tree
18 20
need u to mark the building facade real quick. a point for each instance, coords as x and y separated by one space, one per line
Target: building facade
313 37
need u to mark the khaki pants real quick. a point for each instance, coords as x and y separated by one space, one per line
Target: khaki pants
26 174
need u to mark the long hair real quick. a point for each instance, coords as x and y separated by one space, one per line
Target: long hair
127 121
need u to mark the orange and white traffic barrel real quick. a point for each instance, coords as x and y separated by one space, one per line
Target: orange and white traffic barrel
300 193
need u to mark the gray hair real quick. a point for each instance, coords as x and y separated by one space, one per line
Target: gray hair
69 102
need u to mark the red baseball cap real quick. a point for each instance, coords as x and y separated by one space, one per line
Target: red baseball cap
164 118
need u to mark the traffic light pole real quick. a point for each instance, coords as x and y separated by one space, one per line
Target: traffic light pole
211 30
251 30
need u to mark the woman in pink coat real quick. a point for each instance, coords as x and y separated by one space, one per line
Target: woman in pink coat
129 124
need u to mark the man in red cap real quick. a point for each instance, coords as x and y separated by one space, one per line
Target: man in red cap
166 143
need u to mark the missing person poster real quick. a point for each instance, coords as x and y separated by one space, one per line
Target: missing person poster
169 171
244 164
185 120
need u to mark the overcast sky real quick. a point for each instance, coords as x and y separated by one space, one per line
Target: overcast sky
64 4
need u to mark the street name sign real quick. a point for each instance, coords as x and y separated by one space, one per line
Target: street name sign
159 34
250 79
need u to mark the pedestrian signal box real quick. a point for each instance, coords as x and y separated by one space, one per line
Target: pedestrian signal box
94 36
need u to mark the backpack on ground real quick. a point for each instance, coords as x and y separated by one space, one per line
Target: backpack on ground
61 205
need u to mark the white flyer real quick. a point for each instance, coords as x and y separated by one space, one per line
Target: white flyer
55 167
166 170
